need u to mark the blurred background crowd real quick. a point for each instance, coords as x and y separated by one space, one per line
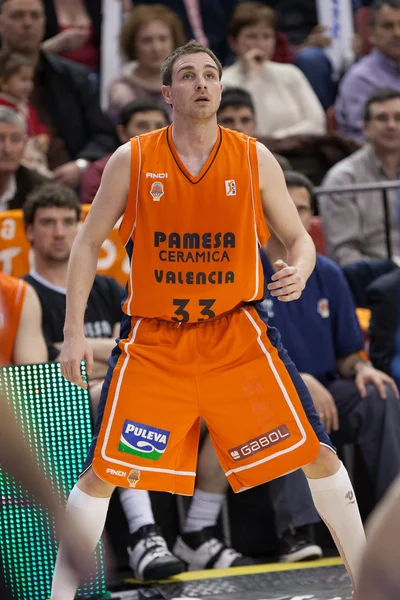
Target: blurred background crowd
319 84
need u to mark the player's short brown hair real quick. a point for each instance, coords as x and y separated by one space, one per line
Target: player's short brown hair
250 13
12 62
142 15
48 195
191 47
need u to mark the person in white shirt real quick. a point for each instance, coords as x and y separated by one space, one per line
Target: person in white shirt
285 102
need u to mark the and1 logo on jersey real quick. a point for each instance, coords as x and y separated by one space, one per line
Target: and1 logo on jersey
157 190
143 440
230 187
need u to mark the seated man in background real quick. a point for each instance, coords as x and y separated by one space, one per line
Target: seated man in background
137 117
63 95
379 69
383 298
51 217
21 338
354 222
356 402
16 180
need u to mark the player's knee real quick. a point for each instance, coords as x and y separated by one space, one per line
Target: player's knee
325 465
92 485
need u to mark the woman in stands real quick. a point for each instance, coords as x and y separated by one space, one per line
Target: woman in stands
149 35
285 103
73 30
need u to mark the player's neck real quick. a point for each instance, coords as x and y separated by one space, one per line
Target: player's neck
55 273
194 139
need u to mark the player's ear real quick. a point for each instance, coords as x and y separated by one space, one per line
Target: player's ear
166 92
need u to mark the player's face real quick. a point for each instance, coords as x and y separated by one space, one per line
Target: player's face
154 42
302 200
22 24
259 37
383 127
238 118
52 233
12 145
196 87
142 122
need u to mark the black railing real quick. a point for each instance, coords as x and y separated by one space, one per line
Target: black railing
382 186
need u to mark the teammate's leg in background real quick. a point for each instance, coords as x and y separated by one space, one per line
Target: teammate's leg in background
149 556
198 546
294 516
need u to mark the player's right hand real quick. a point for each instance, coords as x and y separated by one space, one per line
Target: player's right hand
74 350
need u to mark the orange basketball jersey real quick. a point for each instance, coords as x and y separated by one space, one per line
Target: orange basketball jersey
193 241
12 293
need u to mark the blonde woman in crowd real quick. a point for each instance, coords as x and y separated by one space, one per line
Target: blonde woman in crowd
149 34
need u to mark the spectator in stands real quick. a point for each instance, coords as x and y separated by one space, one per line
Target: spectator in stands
204 20
236 111
21 338
137 117
63 95
16 180
148 35
285 103
383 298
51 217
356 402
308 39
379 69
354 222
16 84
73 30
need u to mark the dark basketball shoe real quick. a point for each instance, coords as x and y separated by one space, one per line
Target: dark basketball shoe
149 557
296 545
202 550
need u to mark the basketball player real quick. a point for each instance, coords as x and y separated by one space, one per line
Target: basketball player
194 198
21 338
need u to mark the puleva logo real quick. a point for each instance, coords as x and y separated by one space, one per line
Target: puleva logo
143 440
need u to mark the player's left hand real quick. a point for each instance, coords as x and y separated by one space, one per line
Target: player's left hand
287 283
365 373
68 174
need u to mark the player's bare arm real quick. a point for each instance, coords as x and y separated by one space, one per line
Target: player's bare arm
286 228
29 345
108 206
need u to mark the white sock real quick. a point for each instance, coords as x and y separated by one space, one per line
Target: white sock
204 510
89 514
336 502
136 505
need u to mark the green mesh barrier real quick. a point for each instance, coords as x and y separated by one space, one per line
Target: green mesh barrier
55 421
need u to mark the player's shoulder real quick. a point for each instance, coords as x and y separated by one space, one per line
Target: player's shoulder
10 284
233 135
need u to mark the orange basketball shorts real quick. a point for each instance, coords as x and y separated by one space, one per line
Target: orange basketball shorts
164 376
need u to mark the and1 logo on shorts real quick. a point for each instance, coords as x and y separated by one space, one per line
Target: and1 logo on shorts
143 440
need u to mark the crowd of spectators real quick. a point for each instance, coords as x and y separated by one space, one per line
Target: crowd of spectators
279 86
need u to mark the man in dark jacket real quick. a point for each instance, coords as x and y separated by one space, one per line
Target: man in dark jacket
16 181
63 95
